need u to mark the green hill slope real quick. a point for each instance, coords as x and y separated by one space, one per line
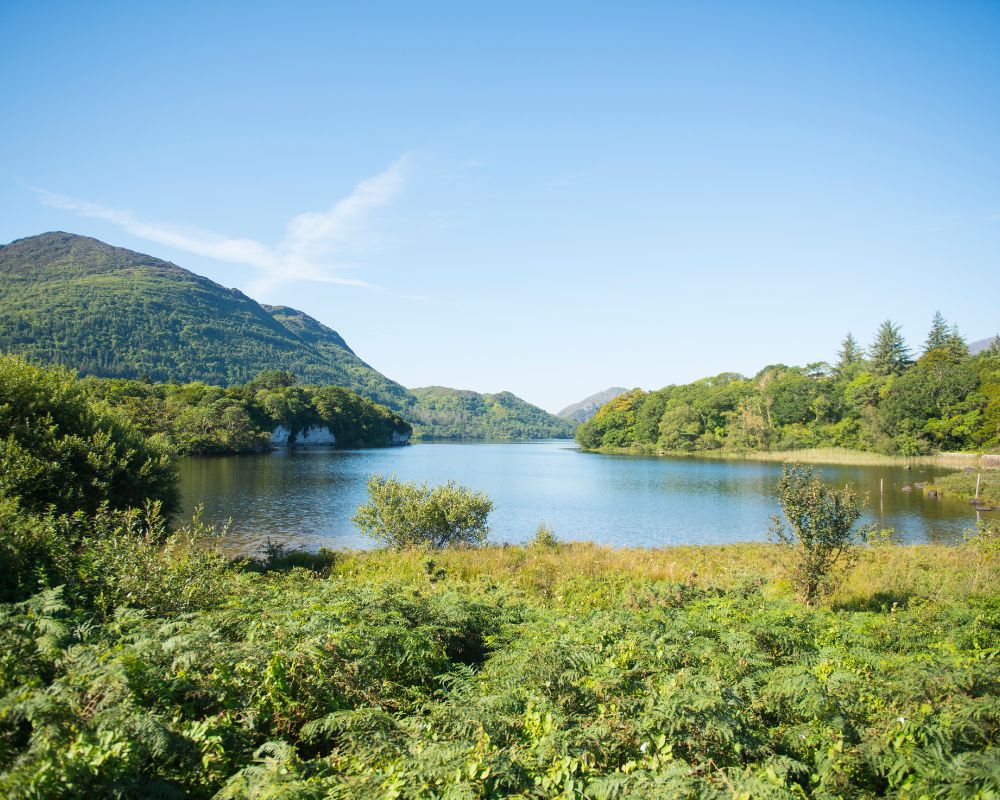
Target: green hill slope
460 414
112 312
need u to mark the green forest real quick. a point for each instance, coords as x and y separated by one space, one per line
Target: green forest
884 399
199 419
442 413
136 661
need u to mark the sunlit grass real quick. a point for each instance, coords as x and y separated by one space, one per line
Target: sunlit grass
583 572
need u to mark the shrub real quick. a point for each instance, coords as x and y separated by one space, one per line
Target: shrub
544 538
60 448
34 553
821 541
130 558
405 514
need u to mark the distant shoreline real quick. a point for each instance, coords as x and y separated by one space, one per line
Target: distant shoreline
816 455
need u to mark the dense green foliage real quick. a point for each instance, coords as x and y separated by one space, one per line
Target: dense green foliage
442 413
200 419
820 540
114 313
944 401
404 514
62 448
551 671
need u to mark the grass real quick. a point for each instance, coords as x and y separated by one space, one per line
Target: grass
962 486
556 574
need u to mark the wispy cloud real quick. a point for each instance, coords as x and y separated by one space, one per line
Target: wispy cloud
311 250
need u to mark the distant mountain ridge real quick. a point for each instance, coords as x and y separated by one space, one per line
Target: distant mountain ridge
113 312
586 408
452 412
982 344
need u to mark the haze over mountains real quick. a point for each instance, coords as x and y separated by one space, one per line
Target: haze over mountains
586 408
113 312
982 344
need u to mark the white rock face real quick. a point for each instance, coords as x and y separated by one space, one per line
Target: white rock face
319 434
398 438
310 436
279 436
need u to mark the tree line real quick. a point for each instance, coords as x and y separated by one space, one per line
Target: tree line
884 399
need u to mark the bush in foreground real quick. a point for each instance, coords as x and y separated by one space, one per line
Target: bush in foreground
404 514
820 542
61 449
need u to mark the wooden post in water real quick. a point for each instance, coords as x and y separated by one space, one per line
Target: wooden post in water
979 476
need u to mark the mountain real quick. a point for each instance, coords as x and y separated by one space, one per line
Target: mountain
112 312
982 344
586 408
444 413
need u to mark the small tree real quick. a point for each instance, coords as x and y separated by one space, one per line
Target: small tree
938 335
404 514
956 343
889 354
820 541
850 353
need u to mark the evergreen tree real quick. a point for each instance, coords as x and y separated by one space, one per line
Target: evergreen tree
850 353
939 333
889 354
956 343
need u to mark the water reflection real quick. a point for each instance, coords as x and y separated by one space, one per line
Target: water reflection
306 497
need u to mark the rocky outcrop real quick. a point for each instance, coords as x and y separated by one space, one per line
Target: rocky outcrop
317 434
283 436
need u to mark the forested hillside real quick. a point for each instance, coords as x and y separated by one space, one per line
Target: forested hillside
459 414
110 312
882 399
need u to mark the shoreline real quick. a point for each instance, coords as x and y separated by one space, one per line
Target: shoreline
815 455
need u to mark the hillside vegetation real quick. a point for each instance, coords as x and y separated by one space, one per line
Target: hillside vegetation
199 419
111 312
443 413
114 313
884 402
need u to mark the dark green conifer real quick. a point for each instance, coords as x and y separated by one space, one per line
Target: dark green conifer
889 354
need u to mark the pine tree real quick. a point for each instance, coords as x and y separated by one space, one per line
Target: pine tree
939 333
850 353
889 354
956 343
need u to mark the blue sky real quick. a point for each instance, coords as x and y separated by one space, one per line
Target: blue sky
546 198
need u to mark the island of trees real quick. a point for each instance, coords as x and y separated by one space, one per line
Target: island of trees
883 399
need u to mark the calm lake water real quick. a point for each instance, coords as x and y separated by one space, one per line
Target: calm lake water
306 497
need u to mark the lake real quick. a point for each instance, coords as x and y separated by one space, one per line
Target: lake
306 496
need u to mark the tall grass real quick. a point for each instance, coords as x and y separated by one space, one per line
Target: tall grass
556 573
